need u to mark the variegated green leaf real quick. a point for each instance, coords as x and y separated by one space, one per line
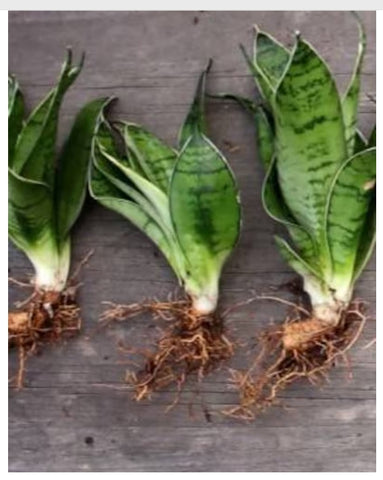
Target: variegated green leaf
262 82
275 206
155 158
35 149
15 115
313 284
204 206
107 194
73 167
154 195
270 56
195 121
349 203
367 239
310 144
351 97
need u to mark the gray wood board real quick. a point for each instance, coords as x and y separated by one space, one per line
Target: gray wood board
75 413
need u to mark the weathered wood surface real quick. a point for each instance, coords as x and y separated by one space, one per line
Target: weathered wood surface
75 413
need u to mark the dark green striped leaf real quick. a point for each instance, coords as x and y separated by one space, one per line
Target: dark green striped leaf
73 168
276 207
349 203
310 144
204 206
155 158
195 122
260 79
270 56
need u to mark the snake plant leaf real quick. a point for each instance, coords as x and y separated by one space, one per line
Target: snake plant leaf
73 167
205 207
154 195
265 137
309 138
35 149
367 239
118 180
102 188
351 97
155 158
111 164
276 207
29 211
261 80
313 284
195 122
15 115
270 56
349 203
112 198
360 142
372 139
203 196
112 187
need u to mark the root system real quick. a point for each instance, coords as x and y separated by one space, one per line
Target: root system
189 344
46 318
300 348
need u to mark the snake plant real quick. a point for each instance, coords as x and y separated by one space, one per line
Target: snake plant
185 200
320 169
44 202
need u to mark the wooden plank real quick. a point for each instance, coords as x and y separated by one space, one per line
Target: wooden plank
75 412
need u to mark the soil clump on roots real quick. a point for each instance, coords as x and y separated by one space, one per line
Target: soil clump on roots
300 348
188 344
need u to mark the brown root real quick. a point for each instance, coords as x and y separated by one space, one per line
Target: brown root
189 344
47 318
298 349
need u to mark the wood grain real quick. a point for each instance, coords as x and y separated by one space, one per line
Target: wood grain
75 413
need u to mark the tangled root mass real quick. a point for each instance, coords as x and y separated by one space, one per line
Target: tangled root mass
297 349
189 344
46 318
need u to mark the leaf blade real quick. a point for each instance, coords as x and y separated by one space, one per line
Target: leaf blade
15 116
310 147
72 175
349 202
204 206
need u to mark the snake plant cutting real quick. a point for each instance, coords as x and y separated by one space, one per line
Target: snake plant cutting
319 184
44 202
186 201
